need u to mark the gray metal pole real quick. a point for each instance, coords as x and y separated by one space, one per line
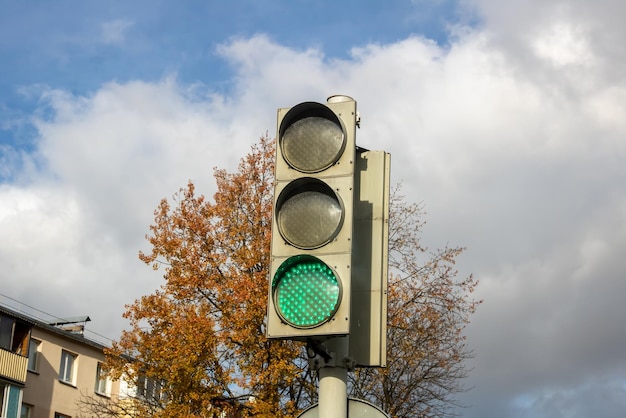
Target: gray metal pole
333 390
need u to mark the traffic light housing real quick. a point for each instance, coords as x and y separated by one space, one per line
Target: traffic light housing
311 248
370 259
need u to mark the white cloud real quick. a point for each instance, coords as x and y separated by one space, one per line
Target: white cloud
564 45
104 162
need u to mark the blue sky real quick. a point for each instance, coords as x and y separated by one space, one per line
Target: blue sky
505 119
80 45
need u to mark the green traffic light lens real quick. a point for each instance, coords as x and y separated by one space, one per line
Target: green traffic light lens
306 291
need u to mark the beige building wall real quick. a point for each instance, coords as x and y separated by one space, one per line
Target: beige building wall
47 392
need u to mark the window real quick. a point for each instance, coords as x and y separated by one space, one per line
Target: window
6 332
59 415
149 388
103 383
66 372
27 411
33 354
14 335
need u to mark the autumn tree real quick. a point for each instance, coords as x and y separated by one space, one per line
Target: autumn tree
201 340
202 333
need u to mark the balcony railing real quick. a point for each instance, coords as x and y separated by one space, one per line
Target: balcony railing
13 366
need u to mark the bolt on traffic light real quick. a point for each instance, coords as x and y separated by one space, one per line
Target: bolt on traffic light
311 249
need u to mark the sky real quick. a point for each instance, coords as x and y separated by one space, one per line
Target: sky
506 120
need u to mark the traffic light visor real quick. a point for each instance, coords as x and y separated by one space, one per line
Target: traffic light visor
309 214
311 138
306 291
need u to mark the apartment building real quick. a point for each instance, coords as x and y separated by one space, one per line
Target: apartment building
48 369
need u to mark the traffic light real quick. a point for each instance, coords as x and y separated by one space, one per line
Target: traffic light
311 249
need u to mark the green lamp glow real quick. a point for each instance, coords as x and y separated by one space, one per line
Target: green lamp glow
306 291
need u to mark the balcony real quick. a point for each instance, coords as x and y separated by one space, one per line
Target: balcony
13 366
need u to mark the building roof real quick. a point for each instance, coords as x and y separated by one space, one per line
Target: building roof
48 326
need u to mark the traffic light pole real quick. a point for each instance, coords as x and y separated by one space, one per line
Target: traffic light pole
333 390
